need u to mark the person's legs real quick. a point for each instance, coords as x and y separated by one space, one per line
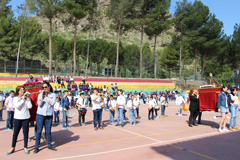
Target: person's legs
152 114
57 116
113 115
162 110
79 118
137 110
25 125
99 118
8 119
17 127
1 114
11 120
179 110
83 118
95 118
118 116
149 112
48 127
156 113
190 122
63 119
110 116
134 118
39 124
224 121
131 116
121 112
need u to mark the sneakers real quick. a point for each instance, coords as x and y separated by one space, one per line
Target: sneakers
36 150
64 128
225 130
9 129
68 127
157 117
215 117
228 117
230 128
220 130
83 124
95 128
101 127
236 128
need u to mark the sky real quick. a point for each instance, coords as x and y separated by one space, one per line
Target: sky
225 10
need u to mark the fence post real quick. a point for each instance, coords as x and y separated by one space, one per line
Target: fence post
41 67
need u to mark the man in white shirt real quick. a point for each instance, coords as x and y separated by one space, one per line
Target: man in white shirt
121 105
179 100
97 110
112 106
10 111
2 98
136 103
81 104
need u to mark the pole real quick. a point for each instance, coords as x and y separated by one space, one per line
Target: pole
20 39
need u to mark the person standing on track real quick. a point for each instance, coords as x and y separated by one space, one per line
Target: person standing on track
136 103
179 101
234 110
44 117
132 111
81 104
10 111
121 105
194 107
66 105
22 104
97 110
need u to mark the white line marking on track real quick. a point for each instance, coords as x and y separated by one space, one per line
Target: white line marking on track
129 148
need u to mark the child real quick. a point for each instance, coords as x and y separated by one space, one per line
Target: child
112 105
65 106
136 103
132 111
56 111
10 111
155 102
179 100
163 102
151 104
81 104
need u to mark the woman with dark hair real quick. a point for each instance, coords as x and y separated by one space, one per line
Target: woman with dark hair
234 110
22 104
223 105
44 117
194 107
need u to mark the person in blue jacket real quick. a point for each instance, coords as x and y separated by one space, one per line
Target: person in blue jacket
223 107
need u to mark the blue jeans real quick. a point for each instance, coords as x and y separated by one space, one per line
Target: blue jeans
56 116
149 114
97 117
234 112
105 106
179 110
65 119
162 110
1 114
137 110
120 113
111 114
132 113
9 123
40 122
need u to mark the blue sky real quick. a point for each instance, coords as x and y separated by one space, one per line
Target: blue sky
226 10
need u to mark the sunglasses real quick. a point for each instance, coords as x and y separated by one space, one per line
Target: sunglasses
45 87
22 89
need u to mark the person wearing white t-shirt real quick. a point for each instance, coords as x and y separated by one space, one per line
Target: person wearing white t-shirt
2 99
22 104
151 104
179 100
57 107
132 111
121 105
10 111
97 110
81 104
112 105
136 103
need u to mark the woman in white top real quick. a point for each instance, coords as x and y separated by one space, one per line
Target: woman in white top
22 104
152 103
234 110
179 100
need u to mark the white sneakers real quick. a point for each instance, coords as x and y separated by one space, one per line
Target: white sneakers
215 117
223 130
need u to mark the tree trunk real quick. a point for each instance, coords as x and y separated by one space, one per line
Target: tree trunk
118 42
50 46
91 68
183 70
180 61
169 74
196 74
203 65
88 49
75 47
141 47
155 55
98 68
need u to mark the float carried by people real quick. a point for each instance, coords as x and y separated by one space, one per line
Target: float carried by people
33 88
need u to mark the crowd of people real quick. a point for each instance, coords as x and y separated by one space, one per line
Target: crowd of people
51 102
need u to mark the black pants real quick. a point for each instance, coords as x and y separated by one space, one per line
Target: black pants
199 117
18 124
149 113
137 110
156 112
193 116
81 117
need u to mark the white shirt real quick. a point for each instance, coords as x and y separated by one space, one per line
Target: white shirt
9 102
121 101
152 103
57 106
71 79
96 103
179 100
235 99
81 102
21 108
136 102
130 104
112 103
